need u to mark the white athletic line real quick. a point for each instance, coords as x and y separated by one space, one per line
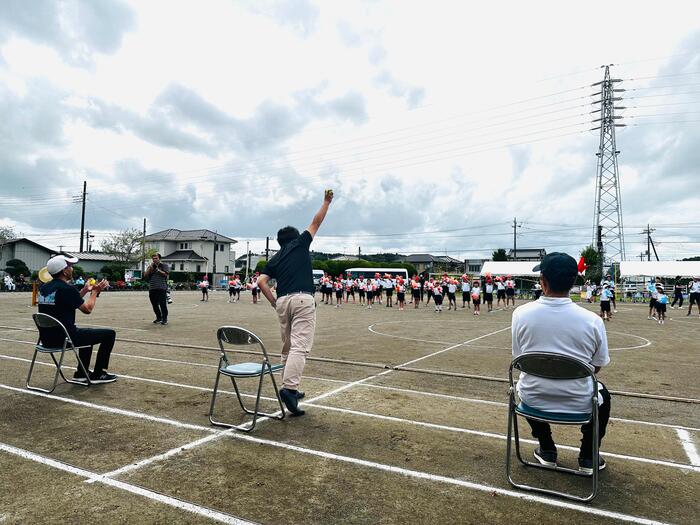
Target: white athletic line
462 430
377 466
689 446
643 345
159 457
503 437
114 327
110 410
133 489
378 387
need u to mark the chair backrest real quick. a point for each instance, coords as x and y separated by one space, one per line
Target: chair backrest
46 322
237 336
551 366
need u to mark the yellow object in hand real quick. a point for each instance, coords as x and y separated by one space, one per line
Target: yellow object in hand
92 281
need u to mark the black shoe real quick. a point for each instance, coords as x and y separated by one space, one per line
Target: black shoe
157 321
586 465
290 400
164 322
104 377
546 457
79 376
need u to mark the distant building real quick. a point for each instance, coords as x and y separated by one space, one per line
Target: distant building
527 254
194 251
425 262
31 253
92 262
242 261
473 266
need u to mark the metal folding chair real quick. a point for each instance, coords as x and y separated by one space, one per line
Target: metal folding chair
44 321
558 367
236 336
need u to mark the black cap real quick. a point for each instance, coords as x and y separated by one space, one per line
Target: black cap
560 270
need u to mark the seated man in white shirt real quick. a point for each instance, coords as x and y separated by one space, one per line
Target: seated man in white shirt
555 324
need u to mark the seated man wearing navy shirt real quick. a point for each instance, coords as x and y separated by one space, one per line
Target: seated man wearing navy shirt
295 304
60 300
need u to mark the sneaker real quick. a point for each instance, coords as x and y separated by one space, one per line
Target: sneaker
78 376
104 377
156 321
586 465
546 457
290 398
164 322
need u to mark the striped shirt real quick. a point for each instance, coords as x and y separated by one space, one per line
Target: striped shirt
156 281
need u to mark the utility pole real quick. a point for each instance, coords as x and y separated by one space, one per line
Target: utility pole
143 248
641 256
650 243
82 215
601 250
359 252
515 241
608 202
267 248
213 269
247 264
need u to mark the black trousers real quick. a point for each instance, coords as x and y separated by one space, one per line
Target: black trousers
159 302
676 298
92 336
543 432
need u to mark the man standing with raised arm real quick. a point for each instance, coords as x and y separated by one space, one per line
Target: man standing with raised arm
295 304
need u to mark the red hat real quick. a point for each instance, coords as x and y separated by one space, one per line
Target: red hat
510 276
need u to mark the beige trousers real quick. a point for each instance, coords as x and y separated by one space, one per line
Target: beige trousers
297 316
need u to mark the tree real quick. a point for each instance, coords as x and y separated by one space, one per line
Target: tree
592 259
125 246
114 271
499 255
7 233
15 267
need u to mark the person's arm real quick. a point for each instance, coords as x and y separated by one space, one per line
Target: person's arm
320 214
163 270
148 271
89 305
265 289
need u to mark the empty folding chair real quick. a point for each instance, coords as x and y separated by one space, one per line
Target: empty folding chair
46 322
557 367
236 336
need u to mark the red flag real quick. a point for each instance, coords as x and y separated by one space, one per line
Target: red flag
582 265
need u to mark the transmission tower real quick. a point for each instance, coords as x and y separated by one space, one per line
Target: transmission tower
608 234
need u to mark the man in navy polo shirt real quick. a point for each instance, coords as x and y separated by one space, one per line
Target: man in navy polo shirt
60 300
295 305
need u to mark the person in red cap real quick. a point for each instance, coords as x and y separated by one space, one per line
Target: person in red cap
452 294
500 292
415 291
510 291
488 294
389 289
476 296
466 289
401 293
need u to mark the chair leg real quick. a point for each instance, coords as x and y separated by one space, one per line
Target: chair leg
31 370
213 399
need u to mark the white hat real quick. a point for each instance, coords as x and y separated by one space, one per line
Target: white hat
58 263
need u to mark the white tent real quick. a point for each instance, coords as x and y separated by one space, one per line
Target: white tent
659 268
514 268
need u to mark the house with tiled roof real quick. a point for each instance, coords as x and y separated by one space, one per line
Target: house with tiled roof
195 251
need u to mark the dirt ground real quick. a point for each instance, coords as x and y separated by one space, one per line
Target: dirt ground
376 445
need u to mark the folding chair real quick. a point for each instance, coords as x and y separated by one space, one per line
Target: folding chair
236 336
558 367
47 322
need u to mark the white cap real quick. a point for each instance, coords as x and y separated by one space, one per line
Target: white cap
58 263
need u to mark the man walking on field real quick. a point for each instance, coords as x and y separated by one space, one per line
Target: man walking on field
295 305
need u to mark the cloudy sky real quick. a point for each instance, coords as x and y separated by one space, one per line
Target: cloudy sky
436 123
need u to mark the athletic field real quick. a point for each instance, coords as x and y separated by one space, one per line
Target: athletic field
405 423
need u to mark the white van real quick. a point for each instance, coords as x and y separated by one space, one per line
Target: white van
317 275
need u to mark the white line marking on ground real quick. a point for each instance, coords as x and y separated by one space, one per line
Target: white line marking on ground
688 446
173 451
178 449
108 409
379 387
351 460
133 489
643 345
